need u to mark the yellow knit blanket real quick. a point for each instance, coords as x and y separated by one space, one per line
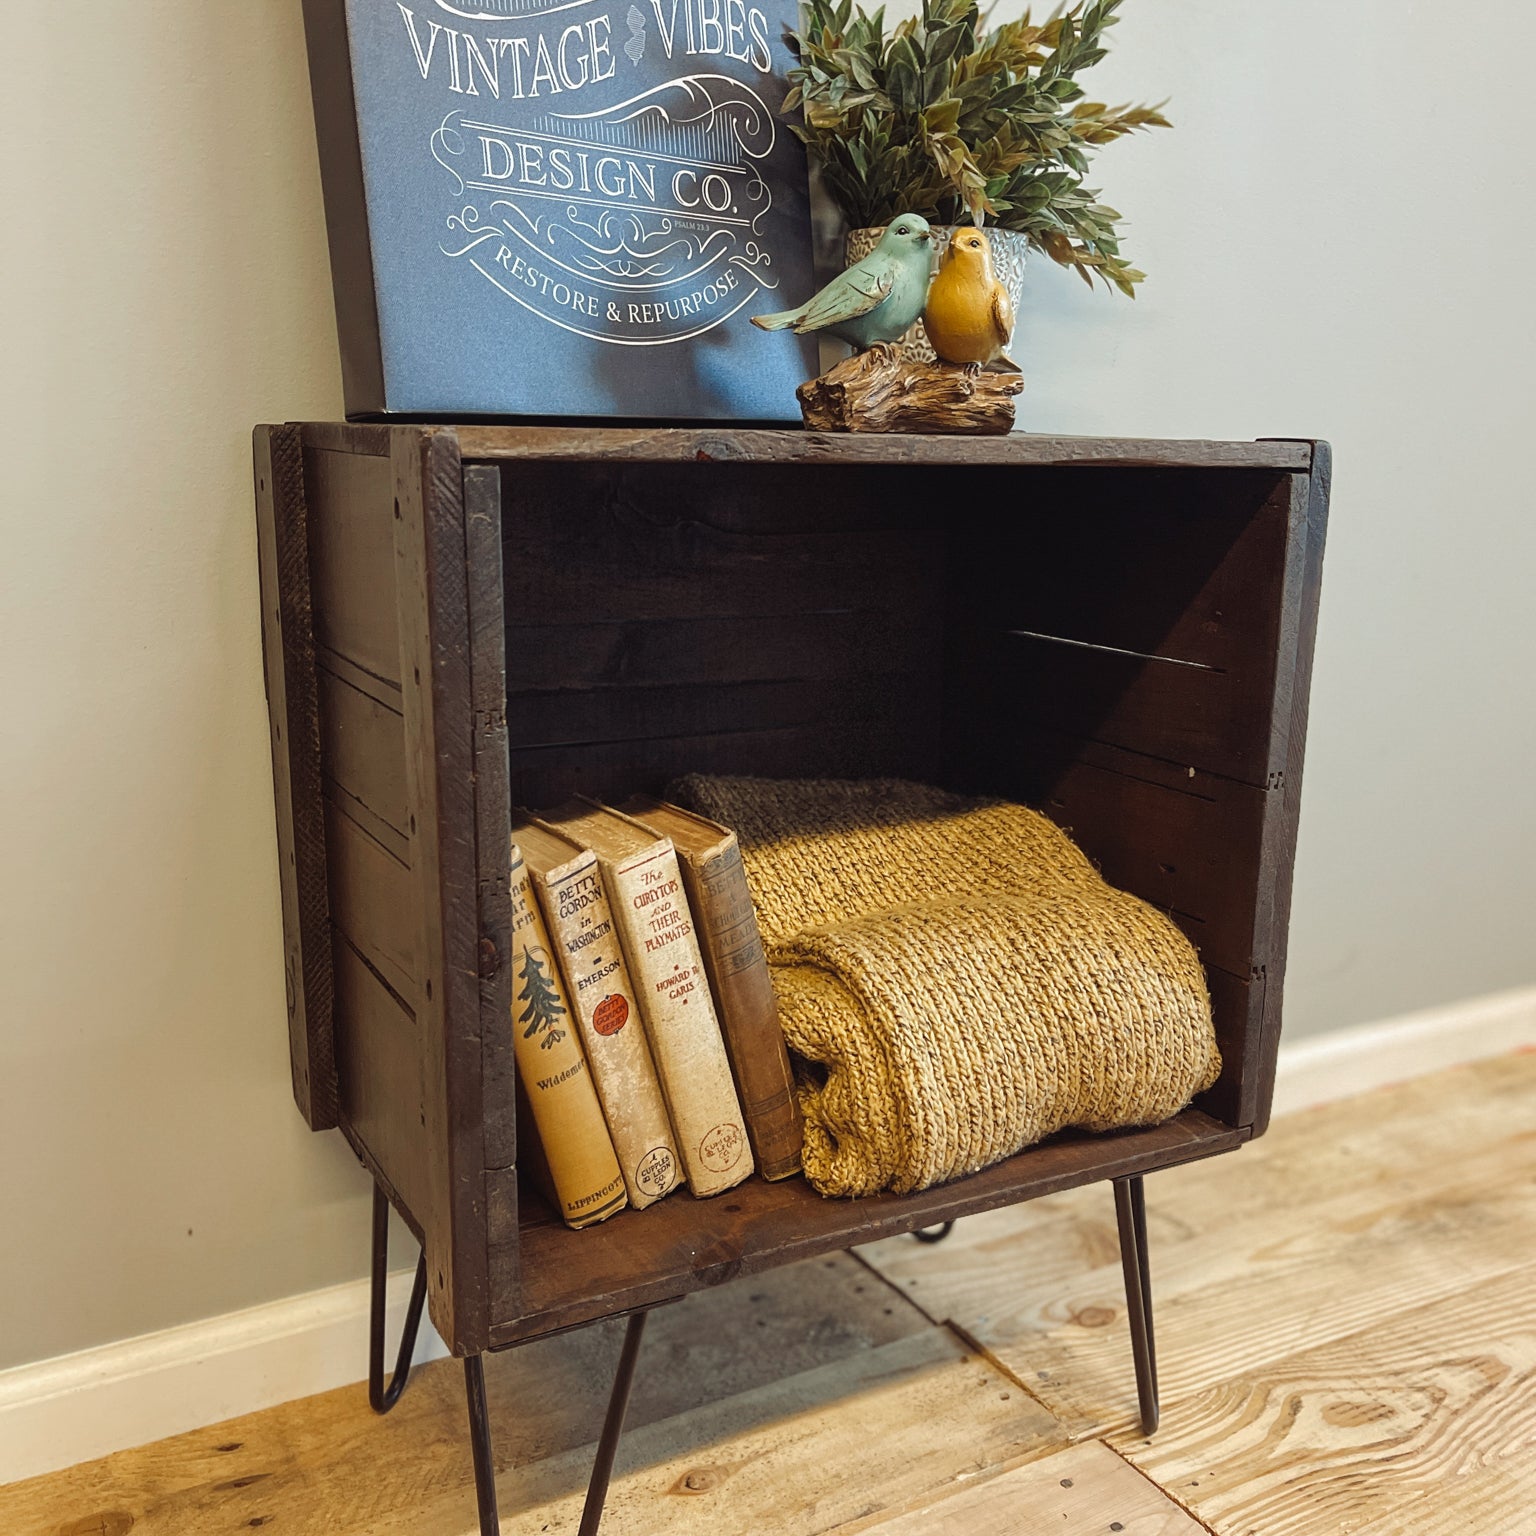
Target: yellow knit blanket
956 978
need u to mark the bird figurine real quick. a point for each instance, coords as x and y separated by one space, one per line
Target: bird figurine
877 300
969 316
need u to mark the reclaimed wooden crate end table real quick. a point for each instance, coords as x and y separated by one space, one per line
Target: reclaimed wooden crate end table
456 620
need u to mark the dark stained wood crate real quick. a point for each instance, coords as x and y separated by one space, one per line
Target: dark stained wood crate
457 621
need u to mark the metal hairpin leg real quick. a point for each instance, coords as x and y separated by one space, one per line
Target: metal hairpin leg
934 1234
480 1444
380 1397
607 1445
613 1427
1131 1215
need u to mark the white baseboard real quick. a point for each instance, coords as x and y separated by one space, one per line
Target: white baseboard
77 1407
1338 1065
59 1412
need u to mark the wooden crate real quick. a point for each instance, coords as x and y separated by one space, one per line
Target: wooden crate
456 621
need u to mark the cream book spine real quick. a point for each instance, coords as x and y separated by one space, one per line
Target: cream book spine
580 921
645 891
553 1070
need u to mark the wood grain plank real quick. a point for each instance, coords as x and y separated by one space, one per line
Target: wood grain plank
371 904
1084 1489
326 1465
493 899
1346 1149
1322 1241
283 528
1149 618
722 649
616 770
378 1051
715 444
684 1244
669 544
352 557
1425 1423
578 716
363 749
371 438
1309 527
806 1454
431 585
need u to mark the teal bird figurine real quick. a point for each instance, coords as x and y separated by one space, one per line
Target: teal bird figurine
876 300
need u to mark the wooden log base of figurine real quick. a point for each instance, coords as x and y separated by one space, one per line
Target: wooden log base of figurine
881 391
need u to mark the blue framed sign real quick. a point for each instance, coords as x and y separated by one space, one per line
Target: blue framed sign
558 208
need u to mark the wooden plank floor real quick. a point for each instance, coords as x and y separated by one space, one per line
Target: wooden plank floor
1346 1327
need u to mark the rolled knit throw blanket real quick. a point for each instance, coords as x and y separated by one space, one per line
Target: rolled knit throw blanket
959 975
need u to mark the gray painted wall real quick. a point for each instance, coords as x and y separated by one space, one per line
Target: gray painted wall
1330 254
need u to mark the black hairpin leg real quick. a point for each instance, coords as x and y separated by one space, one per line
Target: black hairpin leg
934 1234
1131 1215
480 1443
613 1427
380 1397
607 1445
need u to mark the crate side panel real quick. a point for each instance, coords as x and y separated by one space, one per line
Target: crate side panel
434 625
488 680
372 904
1205 843
288 651
379 1060
1140 609
353 556
1309 525
363 755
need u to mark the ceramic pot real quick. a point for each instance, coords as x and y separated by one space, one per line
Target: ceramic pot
1010 247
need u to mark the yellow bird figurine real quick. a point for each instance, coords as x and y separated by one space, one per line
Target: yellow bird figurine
969 317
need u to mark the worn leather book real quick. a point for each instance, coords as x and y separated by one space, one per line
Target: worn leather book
716 886
553 1070
597 981
645 888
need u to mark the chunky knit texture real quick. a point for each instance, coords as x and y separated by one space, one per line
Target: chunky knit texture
958 977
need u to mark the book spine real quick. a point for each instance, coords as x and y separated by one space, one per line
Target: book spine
668 969
580 921
553 1071
737 967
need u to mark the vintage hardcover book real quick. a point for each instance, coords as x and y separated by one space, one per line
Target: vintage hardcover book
591 957
553 1070
645 889
716 886
562 207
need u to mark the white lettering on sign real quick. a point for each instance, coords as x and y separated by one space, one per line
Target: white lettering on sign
636 223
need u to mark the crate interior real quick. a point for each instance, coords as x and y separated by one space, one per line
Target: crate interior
1098 642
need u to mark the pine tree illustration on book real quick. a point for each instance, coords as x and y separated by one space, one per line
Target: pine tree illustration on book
544 1006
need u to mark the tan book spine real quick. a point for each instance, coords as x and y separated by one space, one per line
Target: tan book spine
737 967
553 1070
580 920
646 892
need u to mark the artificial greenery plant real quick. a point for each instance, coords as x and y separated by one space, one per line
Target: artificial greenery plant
965 126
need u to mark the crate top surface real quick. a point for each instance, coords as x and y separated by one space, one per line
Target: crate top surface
763 445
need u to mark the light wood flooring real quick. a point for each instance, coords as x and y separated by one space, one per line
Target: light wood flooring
1346 1319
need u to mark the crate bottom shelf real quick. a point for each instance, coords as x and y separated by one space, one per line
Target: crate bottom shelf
642 1258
